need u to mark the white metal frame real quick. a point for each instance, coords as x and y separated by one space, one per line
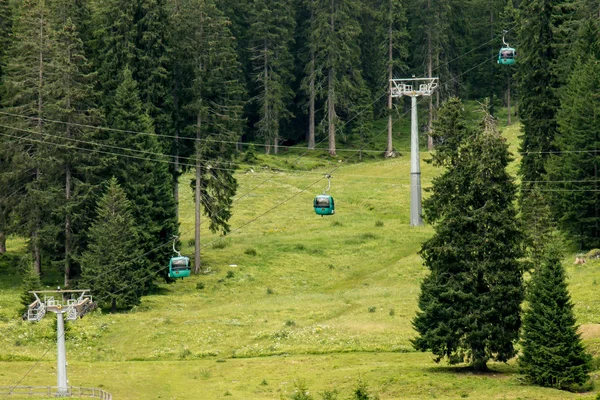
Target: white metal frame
59 305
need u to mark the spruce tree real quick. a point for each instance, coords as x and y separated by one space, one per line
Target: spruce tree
71 83
5 154
538 84
553 353
112 266
5 31
470 301
573 173
25 93
142 172
214 106
335 39
31 281
272 27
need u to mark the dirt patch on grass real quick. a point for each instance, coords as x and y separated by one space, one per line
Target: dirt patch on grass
590 331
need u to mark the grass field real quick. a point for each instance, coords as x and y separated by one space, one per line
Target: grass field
290 297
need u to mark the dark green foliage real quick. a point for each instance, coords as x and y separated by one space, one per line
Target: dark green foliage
214 108
74 102
5 31
553 353
538 226
25 92
538 83
113 266
271 28
31 281
573 174
361 391
250 155
300 391
142 173
470 302
335 39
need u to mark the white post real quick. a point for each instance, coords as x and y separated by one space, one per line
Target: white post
61 363
414 87
415 168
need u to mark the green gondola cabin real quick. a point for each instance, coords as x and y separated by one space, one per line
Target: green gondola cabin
507 56
324 205
179 267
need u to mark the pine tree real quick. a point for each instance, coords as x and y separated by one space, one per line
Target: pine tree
394 30
335 39
470 302
538 83
25 94
31 281
112 266
145 178
215 106
538 226
272 27
573 174
5 31
5 154
74 102
553 353
134 34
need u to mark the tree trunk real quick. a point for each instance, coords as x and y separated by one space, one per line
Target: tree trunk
176 148
331 92
311 100
113 306
35 253
492 64
68 199
508 101
479 365
276 144
429 75
198 197
67 223
390 147
2 242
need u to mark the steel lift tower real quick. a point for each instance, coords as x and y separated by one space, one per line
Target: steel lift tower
73 303
414 87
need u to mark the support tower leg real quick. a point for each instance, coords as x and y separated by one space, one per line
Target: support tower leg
415 168
61 367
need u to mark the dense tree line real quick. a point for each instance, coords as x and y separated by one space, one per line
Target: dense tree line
158 73
178 83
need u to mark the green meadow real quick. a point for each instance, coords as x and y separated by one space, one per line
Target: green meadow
287 297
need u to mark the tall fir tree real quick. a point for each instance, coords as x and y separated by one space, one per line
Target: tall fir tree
112 266
470 301
215 106
573 173
272 26
31 281
6 19
25 94
5 154
71 82
553 352
146 178
538 84
135 34
394 45
335 40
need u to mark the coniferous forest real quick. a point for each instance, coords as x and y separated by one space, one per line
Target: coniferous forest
106 104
